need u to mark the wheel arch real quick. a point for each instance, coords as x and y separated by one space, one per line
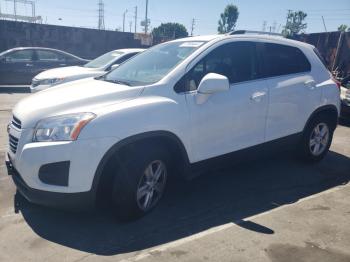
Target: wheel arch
330 110
166 137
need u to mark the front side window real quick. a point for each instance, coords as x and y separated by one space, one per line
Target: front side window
124 58
20 56
236 61
284 60
153 64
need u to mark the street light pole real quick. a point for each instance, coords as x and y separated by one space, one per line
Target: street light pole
146 19
135 19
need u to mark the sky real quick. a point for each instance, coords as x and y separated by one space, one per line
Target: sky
252 14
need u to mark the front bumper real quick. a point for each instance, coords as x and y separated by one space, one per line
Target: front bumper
66 201
37 88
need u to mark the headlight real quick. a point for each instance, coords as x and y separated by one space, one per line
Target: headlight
51 81
61 128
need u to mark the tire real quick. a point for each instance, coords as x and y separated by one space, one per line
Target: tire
316 139
142 174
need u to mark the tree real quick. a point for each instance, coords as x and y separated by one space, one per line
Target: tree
343 28
228 19
295 23
170 30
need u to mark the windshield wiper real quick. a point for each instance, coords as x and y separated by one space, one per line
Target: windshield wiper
120 82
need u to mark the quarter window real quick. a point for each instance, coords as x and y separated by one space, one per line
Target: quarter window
236 61
283 60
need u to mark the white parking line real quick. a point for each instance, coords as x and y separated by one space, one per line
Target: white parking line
176 243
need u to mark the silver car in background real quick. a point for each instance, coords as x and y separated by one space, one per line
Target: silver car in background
94 68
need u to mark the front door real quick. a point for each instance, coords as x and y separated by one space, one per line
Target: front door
16 68
233 119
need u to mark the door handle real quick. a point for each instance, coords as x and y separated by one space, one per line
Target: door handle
257 96
29 64
310 84
63 64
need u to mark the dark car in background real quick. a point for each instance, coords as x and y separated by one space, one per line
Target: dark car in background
19 65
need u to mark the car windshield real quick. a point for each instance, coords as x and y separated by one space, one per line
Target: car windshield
152 65
104 60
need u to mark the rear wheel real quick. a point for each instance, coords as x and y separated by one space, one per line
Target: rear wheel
139 181
316 139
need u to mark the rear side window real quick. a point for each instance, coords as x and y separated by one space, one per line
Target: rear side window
49 56
284 60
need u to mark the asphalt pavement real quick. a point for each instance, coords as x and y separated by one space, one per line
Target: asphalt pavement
269 209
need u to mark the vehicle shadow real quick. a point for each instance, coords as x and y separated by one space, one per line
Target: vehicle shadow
231 194
344 122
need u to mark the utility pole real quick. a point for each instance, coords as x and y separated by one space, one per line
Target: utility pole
192 26
15 9
130 25
324 24
146 18
124 19
135 17
274 25
264 26
101 15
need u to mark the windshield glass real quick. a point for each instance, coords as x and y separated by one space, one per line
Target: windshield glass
104 60
152 65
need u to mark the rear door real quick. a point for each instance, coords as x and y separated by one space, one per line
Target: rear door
293 92
17 67
231 120
47 59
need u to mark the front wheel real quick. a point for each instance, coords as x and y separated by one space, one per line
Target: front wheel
316 140
140 181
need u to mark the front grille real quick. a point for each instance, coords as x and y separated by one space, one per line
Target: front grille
16 123
13 142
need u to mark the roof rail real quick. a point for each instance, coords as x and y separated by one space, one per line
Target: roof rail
242 32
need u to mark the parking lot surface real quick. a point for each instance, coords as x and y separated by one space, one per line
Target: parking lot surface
269 209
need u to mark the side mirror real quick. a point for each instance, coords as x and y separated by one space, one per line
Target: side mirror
114 66
213 83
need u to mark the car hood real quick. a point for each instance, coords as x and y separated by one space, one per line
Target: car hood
69 71
84 95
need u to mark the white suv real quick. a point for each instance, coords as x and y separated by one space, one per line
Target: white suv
167 112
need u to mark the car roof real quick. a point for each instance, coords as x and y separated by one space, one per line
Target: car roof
261 37
38 48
